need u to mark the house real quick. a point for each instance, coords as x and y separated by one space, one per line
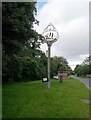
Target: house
62 75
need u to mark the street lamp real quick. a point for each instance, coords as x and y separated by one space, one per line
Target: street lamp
50 35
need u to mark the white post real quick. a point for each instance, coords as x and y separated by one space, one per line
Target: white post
49 66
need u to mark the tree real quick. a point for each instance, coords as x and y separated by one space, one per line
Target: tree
59 64
84 68
87 61
19 40
17 21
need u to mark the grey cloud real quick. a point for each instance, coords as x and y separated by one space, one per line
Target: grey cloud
72 22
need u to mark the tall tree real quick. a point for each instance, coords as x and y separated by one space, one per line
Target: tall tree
17 24
87 61
18 38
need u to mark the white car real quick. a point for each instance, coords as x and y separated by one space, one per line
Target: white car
55 77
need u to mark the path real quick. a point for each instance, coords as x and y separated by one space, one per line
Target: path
86 81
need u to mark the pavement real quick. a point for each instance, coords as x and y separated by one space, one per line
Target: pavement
86 81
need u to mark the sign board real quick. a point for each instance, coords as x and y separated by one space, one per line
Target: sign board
44 79
50 34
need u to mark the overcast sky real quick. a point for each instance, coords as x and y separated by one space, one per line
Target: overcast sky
71 19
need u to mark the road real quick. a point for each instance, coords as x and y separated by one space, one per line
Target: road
86 81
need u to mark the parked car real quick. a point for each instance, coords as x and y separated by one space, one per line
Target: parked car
55 77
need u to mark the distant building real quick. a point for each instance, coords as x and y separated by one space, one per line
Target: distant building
62 75
59 75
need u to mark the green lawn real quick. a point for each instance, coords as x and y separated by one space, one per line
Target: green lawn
35 100
0 101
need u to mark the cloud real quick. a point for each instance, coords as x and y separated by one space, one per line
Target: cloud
74 40
71 19
76 60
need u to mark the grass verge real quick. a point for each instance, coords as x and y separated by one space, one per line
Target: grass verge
35 100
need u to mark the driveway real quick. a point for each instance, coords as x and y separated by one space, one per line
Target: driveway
86 81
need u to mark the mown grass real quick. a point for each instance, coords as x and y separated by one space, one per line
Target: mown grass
0 101
35 100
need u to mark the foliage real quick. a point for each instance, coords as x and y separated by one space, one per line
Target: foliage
23 68
85 68
81 70
17 22
20 41
87 61
59 64
11 69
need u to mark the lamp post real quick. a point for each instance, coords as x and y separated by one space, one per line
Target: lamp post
50 36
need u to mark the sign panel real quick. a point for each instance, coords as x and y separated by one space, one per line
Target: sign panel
50 33
45 80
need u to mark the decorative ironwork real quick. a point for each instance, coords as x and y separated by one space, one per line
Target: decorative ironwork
50 34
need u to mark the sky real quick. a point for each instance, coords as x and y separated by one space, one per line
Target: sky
71 19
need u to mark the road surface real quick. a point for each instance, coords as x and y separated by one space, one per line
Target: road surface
86 81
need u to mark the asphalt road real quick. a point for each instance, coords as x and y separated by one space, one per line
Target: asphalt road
86 81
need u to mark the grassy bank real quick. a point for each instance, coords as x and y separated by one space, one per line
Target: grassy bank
31 100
